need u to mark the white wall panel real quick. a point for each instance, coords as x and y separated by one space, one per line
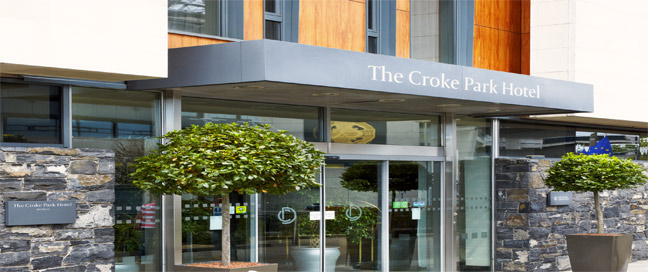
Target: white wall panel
103 40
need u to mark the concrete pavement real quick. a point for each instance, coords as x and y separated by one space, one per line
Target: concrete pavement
638 266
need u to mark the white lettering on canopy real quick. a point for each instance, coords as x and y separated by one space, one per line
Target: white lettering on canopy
442 80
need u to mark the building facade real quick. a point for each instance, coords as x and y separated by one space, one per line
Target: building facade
411 100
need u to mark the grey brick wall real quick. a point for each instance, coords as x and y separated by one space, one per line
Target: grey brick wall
530 236
54 174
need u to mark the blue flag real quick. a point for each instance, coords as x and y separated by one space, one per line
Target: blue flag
602 147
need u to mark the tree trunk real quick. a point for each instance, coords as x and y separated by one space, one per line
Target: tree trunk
225 238
599 213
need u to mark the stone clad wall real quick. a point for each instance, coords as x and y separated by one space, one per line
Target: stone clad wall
530 236
54 174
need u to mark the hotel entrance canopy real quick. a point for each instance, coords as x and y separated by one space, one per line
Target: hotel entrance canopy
290 73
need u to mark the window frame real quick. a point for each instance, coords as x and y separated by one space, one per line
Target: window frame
230 22
64 113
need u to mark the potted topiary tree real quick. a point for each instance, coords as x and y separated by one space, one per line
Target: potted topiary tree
596 173
218 159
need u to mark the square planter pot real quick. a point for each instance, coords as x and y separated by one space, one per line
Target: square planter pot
258 268
595 252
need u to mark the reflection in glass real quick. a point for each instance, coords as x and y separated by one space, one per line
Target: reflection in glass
473 193
301 122
126 122
352 195
553 141
201 234
195 16
272 30
415 216
365 127
287 235
520 140
30 113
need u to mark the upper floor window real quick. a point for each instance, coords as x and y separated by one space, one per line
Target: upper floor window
381 27
207 17
281 20
372 27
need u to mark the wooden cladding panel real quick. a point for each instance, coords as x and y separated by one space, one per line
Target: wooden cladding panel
501 38
402 33
333 23
253 19
496 49
179 40
500 14
403 5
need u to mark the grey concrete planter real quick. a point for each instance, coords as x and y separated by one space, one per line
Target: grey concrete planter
591 252
260 268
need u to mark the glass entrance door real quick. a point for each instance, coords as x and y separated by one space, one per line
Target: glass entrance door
289 226
353 223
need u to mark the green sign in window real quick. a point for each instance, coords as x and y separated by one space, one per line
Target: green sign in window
400 204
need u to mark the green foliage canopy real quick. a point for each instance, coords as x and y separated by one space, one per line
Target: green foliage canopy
594 173
217 159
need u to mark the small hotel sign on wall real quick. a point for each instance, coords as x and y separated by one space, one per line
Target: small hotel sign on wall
21 213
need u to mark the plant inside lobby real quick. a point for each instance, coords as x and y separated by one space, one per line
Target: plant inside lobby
596 173
219 159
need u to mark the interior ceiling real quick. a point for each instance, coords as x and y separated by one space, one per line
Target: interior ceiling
295 94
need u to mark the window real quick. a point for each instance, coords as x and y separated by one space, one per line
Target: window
302 122
126 122
381 27
207 17
366 127
30 113
281 20
372 27
552 141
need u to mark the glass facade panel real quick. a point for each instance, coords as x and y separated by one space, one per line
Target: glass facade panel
415 216
353 201
202 235
520 140
473 193
553 141
195 16
30 113
425 30
364 127
287 235
301 122
126 122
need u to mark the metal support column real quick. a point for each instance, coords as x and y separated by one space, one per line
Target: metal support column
449 240
384 218
494 155
171 204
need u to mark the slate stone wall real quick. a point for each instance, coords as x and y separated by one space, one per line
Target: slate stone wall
530 236
54 174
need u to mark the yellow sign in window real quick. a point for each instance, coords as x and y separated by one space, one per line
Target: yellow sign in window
241 209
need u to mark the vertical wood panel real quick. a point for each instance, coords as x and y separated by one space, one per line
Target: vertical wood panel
402 33
403 5
179 40
499 41
253 19
332 23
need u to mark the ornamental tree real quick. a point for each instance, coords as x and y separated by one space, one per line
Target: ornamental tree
218 159
594 173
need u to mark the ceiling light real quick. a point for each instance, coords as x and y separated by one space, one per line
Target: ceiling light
325 94
448 105
249 87
391 100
